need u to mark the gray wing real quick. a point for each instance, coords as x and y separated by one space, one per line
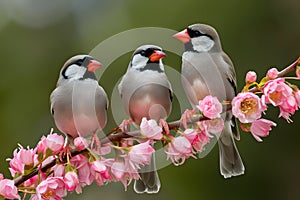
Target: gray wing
231 77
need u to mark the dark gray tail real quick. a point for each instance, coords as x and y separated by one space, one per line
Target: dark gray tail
149 181
231 163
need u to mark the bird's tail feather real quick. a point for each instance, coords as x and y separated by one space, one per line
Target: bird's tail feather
149 181
231 163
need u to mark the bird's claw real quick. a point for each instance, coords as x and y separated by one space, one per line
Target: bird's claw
125 125
95 144
65 152
187 116
164 125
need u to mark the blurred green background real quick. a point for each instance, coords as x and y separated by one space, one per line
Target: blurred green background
37 37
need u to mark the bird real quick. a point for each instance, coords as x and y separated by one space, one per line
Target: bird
146 92
78 103
208 70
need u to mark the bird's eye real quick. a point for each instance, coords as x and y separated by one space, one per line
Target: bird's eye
197 33
79 62
143 52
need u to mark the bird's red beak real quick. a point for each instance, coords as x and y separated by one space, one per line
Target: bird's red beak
93 65
183 36
156 55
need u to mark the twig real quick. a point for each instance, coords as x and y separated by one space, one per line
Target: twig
290 68
122 135
107 139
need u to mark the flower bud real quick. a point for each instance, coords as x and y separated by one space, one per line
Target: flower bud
272 73
251 77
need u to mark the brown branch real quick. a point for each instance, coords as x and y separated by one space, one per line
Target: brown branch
122 135
107 139
290 68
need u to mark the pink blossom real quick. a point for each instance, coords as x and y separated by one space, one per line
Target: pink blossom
21 157
1 177
247 107
81 143
124 171
105 149
51 188
251 77
140 154
55 142
212 125
27 156
16 166
179 150
261 128
83 166
8 189
195 138
59 170
297 97
32 182
100 170
277 93
72 182
272 73
210 107
190 134
41 146
150 129
99 166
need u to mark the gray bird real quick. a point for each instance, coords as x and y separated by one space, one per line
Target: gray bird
78 103
146 92
207 70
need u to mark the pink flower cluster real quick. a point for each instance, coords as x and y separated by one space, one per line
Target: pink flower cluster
24 160
192 141
74 173
278 93
50 145
248 107
83 170
210 107
7 189
150 129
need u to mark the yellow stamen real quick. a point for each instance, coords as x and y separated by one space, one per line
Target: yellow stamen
248 106
48 194
275 96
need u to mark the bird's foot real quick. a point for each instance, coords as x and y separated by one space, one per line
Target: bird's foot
125 125
65 153
95 143
187 117
164 125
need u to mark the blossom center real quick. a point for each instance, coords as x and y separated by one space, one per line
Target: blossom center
48 194
275 96
248 106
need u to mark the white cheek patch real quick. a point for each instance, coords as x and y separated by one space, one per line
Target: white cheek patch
161 65
75 72
202 43
138 61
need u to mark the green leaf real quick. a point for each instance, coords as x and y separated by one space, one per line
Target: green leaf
70 168
40 156
49 152
28 169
